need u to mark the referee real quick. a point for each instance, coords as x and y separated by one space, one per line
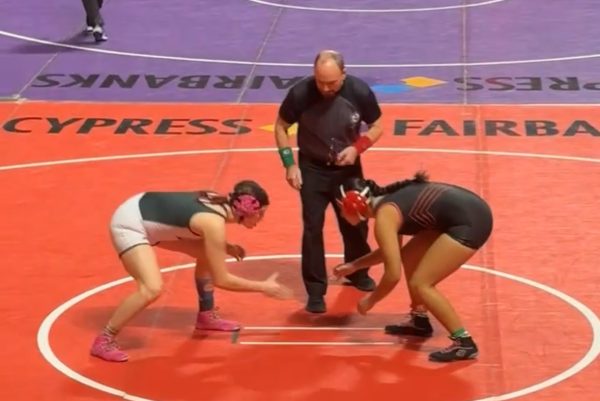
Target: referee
329 108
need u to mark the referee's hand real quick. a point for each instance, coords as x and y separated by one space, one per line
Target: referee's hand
347 157
294 177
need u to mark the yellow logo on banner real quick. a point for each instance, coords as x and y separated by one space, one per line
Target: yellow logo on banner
422 82
293 130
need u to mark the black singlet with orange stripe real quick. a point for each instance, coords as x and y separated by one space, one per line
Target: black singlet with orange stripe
444 207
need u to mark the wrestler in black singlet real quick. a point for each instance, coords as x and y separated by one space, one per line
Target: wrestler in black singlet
453 210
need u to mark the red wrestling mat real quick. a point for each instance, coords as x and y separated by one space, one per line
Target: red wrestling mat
529 297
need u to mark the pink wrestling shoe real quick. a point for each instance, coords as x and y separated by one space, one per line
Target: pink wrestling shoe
105 347
210 320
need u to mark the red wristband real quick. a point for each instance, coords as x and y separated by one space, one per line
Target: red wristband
362 143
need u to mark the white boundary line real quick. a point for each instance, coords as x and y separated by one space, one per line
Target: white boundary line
318 343
277 64
52 163
391 10
43 337
310 328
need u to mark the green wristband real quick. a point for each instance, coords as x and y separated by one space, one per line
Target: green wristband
287 156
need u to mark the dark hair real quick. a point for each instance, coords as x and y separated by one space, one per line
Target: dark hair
244 187
359 184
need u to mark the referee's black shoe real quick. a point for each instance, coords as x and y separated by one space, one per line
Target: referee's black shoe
316 304
362 282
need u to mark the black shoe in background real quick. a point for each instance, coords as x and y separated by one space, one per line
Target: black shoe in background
362 283
416 325
316 304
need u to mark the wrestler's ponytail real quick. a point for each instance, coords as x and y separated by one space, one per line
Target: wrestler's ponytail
376 190
245 187
356 194
212 197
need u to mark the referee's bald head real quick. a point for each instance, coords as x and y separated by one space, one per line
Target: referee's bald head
330 56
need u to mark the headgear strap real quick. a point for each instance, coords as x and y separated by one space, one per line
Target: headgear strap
355 203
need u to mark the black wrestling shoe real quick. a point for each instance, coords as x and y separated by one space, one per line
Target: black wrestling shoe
416 325
462 348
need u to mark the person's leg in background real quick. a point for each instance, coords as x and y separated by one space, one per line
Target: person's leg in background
93 19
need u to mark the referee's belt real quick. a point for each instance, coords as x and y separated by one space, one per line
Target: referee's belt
328 164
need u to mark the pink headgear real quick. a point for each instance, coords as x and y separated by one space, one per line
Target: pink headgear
244 205
355 203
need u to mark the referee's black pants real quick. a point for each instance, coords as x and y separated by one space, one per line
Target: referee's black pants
319 185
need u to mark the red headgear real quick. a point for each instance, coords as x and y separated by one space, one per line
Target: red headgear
355 203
